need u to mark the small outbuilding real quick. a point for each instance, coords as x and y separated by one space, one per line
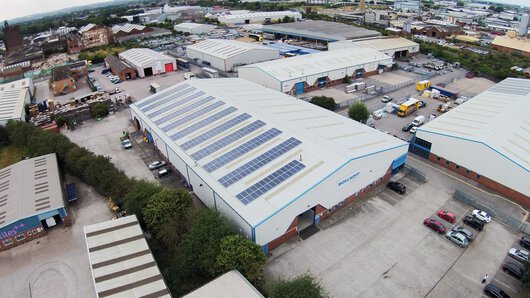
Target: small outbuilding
120 68
147 62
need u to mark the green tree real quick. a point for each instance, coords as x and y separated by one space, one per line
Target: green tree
20 132
201 245
302 286
137 197
460 3
359 112
166 215
346 79
324 102
99 110
4 136
239 253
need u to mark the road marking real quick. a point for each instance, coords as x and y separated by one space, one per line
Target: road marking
471 185
505 285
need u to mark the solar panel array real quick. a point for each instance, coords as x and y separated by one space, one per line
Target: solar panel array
215 131
158 96
181 111
192 116
241 150
269 182
171 97
258 162
227 140
186 131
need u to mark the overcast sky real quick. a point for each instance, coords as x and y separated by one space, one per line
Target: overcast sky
10 9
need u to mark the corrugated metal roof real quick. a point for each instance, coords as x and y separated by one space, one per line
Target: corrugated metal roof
140 57
87 28
127 28
231 130
224 48
13 97
229 285
30 187
317 63
521 44
382 44
266 14
121 262
192 26
498 117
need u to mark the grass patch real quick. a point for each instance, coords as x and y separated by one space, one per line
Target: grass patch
10 155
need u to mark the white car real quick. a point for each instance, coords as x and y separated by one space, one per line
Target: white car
386 98
519 255
413 129
156 164
126 144
482 215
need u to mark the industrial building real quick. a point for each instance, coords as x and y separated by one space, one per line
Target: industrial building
120 68
319 31
260 17
227 55
31 200
147 62
310 72
486 139
96 36
289 49
512 44
121 262
194 28
272 164
13 97
395 47
230 284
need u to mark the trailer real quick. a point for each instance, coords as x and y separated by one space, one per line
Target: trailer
408 107
445 92
422 85
71 192
183 63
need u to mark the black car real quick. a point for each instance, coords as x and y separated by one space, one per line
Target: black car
407 127
397 187
513 269
467 233
473 222
525 242
494 291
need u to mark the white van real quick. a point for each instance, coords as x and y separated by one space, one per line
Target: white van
419 120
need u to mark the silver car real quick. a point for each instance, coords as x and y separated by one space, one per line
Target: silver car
457 238
519 255
156 164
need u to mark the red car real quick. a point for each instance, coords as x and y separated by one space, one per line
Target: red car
446 215
435 225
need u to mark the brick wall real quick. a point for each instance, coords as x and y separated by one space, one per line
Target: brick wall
26 236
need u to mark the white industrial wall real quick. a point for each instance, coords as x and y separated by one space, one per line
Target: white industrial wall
216 62
479 158
205 28
258 76
328 193
153 65
249 57
255 19
201 188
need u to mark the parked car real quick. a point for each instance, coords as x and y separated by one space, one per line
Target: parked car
495 292
446 215
525 242
164 172
474 223
513 269
386 98
413 129
126 144
423 104
482 215
407 127
397 187
519 254
435 225
156 164
457 238
467 233
105 71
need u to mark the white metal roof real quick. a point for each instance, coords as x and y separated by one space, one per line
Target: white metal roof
121 262
229 285
498 117
224 48
127 28
140 57
265 14
30 187
380 44
87 27
232 130
312 64
191 25
12 101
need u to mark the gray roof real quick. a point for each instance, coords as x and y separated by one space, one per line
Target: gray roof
115 63
229 285
121 262
321 30
30 187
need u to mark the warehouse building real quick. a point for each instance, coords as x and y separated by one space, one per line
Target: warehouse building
121 262
13 97
310 72
261 17
31 200
395 47
120 68
486 139
147 62
272 164
194 28
227 55
230 284
318 31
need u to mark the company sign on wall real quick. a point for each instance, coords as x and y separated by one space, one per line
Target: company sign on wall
349 179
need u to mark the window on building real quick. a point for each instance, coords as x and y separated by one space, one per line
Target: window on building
438 158
467 171
447 162
7 242
478 176
20 237
421 142
457 167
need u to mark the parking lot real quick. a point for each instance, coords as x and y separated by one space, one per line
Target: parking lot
378 247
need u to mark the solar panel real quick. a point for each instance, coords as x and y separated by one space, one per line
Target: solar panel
162 94
186 131
229 139
269 182
258 162
215 131
241 149
180 111
168 98
193 116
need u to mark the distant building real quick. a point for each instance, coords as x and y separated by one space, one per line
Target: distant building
96 36
395 47
512 45
261 17
120 68
64 77
74 43
194 28
438 30
13 39
147 62
379 17
407 5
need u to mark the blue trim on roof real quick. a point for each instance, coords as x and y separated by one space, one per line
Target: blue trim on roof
299 35
479 142
325 178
